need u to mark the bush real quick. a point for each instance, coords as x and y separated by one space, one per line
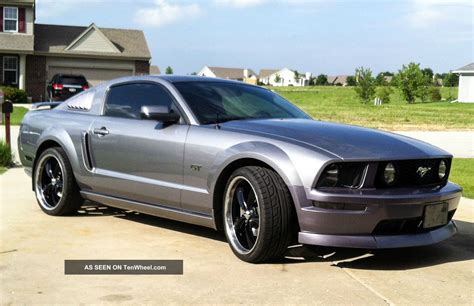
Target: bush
435 94
383 92
6 158
15 95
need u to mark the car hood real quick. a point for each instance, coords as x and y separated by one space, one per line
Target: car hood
344 141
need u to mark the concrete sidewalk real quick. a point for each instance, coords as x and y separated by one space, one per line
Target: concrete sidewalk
33 247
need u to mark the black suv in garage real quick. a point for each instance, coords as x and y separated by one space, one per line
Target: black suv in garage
64 86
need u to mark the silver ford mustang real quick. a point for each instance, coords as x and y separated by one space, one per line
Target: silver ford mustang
237 157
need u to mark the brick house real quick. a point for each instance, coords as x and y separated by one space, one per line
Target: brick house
31 53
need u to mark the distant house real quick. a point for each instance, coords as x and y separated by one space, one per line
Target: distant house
155 69
466 83
338 80
238 74
283 77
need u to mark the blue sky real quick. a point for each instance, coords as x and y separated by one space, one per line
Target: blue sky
319 36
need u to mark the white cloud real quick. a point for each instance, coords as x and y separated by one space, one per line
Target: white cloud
163 13
427 12
240 3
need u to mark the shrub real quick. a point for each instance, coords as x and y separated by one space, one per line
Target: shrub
383 92
365 85
435 94
412 83
6 158
15 95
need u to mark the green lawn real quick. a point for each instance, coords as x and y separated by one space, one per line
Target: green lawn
462 173
2 170
340 104
17 115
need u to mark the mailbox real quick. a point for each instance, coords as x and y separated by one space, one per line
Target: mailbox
7 107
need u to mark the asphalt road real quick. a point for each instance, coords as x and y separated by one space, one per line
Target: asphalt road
33 247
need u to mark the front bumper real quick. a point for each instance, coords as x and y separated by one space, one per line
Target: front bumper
361 216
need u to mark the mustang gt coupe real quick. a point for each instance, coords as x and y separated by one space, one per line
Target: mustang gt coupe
238 158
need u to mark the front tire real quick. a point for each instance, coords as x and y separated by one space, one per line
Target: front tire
258 214
56 189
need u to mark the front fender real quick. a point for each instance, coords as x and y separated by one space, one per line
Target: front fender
267 153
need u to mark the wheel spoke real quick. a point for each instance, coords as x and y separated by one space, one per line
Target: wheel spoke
47 189
53 195
238 224
249 235
240 198
56 170
47 168
251 200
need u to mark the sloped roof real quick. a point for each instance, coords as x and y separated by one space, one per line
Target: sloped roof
16 42
467 68
231 73
56 38
155 69
267 72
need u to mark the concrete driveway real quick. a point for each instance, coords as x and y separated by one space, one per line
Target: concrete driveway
33 247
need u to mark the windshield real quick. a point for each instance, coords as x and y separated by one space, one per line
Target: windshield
214 102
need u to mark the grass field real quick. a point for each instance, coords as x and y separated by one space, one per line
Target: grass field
2 170
17 115
462 173
340 104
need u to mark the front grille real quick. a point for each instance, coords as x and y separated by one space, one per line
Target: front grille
409 173
404 226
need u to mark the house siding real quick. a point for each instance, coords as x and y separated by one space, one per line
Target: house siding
36 77
142 67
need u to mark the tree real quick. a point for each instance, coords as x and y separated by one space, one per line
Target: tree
297 76
451 80
383 92
277 78
365 84
428 72
412 82
194 73
321 79
169 70
351 80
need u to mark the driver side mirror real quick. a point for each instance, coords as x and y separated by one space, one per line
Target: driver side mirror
159 113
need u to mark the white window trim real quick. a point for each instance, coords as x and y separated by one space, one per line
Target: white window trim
5 18
16 70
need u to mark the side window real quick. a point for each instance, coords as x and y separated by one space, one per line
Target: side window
126 100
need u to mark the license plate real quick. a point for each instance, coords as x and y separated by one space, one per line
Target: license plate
72 90
435 215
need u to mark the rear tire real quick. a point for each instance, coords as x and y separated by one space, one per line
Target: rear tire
56 189
258 214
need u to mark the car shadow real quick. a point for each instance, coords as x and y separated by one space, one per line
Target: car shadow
457 248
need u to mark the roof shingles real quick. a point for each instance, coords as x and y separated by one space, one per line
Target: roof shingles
55 38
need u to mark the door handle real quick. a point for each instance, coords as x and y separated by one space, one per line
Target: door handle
102 131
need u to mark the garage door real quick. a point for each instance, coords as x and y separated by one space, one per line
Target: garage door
94 76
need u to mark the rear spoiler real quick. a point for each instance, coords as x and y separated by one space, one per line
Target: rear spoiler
45 104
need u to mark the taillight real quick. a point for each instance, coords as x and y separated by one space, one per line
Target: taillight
57 86
85 87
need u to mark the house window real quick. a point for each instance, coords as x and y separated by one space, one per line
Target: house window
10 19
10 70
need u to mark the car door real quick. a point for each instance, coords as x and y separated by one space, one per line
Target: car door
135 159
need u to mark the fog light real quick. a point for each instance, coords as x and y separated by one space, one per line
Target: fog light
389 174
442 169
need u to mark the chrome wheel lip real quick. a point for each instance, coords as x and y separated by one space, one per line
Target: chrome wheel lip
38 182
228 220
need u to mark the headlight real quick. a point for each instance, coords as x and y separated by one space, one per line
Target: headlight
389 174
347 175
442 169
